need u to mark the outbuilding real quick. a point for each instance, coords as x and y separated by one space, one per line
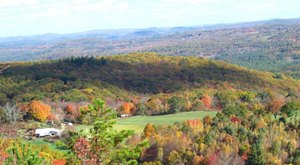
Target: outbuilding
47 132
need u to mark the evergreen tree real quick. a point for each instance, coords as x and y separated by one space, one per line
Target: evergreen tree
256 156
23 154
107 146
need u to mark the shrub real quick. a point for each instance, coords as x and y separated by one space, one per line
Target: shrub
290 108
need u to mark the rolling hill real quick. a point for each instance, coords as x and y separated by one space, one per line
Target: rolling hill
265 45
135 75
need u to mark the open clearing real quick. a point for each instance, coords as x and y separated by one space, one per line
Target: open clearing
137 123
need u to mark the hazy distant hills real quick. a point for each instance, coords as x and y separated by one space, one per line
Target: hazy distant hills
272 45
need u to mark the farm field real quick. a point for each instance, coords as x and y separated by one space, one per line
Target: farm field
137 123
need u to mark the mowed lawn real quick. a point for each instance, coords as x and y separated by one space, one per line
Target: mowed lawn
137 123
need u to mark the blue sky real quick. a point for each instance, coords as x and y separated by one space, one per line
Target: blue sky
28 17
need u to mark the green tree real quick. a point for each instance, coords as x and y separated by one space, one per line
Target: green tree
256 156
290 108
107 145
3 99
275 148
239 111
23 154
174 158
177 104
226 98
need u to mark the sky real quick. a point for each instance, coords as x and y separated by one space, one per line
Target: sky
30 17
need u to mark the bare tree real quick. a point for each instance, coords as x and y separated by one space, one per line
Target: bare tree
11 112
1 70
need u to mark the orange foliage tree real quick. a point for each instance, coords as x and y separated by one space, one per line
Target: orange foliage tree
128 108
276 104
73 112
39 110
59 162
195 124
207 101
52 117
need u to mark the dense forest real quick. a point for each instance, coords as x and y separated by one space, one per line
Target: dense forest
149 82
134 75
255 119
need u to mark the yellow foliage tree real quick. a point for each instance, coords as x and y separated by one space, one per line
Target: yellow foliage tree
149 130
207 120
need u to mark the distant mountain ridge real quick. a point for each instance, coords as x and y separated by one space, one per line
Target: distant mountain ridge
272 45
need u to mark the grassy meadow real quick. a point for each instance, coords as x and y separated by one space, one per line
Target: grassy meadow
137 123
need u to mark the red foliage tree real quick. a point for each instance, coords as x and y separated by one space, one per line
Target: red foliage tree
82 148
235 120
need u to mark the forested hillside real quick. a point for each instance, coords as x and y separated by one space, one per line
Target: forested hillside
141 77
252 116
265 45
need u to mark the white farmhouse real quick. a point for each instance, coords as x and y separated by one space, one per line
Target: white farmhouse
48 132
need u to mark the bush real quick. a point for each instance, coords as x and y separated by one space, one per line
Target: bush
290 108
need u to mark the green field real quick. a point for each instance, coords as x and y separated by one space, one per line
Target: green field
137 123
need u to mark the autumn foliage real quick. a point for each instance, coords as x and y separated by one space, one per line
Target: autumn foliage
59 162
195 124
52 117
207 119
149 130
128 108
82 148
276 104
235 120
39 110
207 101
73 112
